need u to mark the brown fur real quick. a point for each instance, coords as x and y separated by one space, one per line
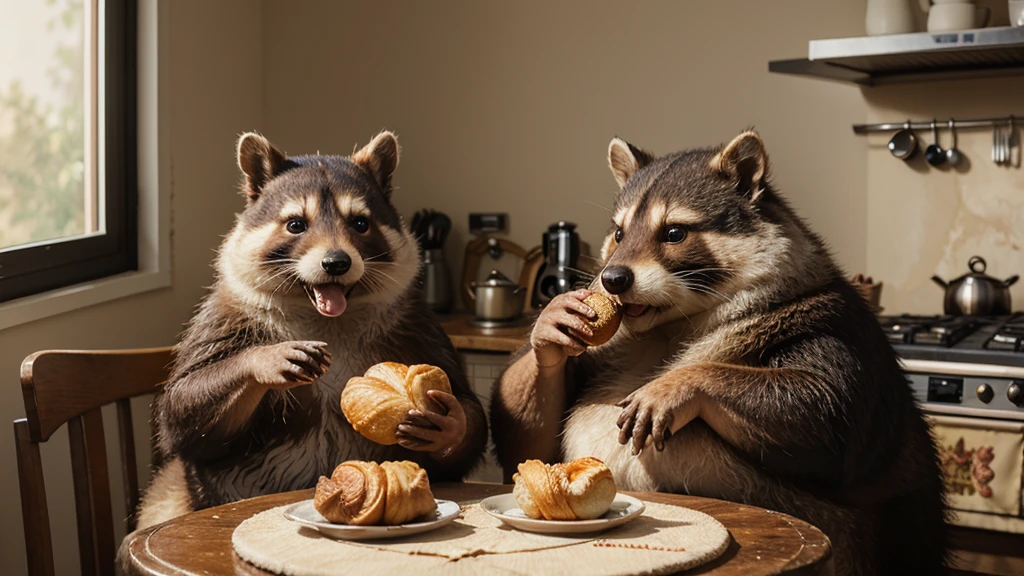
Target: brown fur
252 404
755 374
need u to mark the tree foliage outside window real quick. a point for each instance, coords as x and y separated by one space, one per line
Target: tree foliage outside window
42 136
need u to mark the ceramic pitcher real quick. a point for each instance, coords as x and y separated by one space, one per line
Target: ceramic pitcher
889 17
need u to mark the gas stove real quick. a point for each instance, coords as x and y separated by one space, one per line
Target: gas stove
967 373
997 340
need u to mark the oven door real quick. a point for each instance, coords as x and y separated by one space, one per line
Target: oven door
982 464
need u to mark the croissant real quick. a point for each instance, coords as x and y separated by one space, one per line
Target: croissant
367 493
376 403
579 490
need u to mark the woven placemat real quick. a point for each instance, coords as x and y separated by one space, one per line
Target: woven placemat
663 540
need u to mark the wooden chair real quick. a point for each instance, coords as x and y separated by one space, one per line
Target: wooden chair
71 387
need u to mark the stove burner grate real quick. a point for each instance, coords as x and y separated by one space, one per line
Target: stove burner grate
929 330
1010 336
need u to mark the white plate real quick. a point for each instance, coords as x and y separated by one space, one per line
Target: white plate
304 513
623 509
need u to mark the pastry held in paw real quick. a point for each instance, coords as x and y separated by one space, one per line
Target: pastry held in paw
366 493
609 315
579 490
377 402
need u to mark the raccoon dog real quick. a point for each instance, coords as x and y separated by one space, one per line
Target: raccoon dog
747 368
315 284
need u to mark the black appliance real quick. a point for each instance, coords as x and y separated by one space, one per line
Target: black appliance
560 272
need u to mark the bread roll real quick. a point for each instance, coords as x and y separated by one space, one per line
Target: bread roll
609 315
376 403
354 494
409 494
579 490
366 493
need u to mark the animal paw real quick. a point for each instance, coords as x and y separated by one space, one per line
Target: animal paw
652 411
290 364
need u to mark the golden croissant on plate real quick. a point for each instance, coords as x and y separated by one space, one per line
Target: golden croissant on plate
579 490
368 494
376 403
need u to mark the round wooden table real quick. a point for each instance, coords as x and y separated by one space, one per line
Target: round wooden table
763 542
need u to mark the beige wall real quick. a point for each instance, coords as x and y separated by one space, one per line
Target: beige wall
509 106
215 93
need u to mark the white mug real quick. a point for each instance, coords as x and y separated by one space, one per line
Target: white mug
1017 12
951 16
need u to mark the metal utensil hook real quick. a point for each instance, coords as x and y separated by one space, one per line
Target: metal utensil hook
952 131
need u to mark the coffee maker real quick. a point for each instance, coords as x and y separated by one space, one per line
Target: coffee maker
559 273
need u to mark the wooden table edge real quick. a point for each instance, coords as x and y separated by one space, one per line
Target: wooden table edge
806 561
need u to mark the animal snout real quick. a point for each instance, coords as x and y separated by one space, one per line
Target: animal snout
617 279
336 263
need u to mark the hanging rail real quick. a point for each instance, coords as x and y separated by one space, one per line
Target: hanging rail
927 124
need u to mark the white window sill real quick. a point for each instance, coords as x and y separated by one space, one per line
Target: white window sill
62 300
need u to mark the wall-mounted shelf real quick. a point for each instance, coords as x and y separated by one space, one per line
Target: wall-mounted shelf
900 58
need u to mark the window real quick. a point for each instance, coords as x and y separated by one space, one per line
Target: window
67 143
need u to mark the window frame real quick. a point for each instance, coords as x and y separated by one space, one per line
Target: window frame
43 266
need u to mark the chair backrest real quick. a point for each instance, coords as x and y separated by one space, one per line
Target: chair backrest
70 387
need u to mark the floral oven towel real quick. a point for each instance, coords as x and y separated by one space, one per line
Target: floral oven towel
982 463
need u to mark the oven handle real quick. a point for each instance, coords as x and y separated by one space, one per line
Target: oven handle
993 425
961 368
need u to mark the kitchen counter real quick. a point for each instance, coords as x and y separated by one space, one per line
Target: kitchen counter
468 338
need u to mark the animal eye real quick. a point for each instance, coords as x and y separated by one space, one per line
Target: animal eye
296 226
361 224
675 234
618 235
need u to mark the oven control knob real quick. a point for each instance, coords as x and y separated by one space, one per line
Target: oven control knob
985 393
1015 392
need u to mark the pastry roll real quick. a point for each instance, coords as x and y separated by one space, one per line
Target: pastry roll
366 493
376 403
409 494
354 494
579 490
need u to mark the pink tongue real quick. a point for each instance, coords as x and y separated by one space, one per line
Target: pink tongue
635 310
330 299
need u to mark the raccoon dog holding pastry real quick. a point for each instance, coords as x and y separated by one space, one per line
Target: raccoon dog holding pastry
315 283
746 368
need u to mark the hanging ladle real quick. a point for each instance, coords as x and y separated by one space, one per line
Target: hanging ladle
934 153
953 155
903 144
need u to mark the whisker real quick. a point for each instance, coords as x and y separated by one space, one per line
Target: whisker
706 290
598 205
388 276
688 273
371 258
589 275
271 297
272 276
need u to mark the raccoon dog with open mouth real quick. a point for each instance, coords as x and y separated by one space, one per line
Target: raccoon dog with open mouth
746 367
315 284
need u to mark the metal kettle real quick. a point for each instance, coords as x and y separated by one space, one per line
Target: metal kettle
497 298
977 293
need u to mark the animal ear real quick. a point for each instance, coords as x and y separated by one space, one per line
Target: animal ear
259 162
379 159
625 159
745 161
